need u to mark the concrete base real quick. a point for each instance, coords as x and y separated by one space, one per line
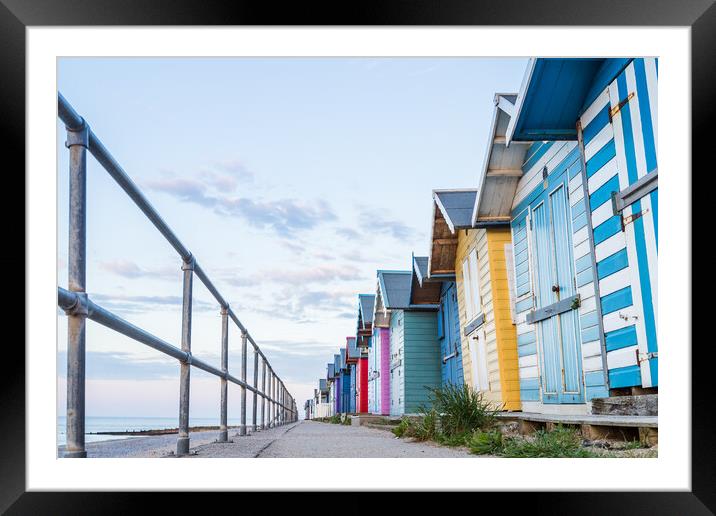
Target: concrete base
223 436
363 419
75 454
641 405
182 446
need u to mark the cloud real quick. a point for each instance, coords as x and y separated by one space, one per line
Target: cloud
235 169
119 365
379 222
284 216
321 273
349 233
123 304
131 270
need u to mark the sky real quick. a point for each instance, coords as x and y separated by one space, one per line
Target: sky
291 180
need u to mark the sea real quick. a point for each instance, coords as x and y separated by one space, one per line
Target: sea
121 424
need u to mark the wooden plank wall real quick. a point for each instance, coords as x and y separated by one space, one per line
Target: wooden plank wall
422 358
505 333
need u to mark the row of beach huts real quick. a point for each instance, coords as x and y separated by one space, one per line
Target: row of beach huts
540 285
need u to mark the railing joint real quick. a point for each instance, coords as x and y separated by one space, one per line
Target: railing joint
80 306
78 135
189 263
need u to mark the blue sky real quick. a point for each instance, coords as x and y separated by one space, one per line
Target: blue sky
290 179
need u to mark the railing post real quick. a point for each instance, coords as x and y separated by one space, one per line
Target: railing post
77 142
185 371
272 412
223 426
244 337
263 398
256 386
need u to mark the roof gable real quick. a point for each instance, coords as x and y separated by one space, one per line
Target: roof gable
555 92
422 291
452 210
501 169
395 288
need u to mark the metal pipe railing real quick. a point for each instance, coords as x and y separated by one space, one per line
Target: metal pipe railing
79 307
71 302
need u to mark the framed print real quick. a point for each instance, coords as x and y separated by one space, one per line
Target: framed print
417 244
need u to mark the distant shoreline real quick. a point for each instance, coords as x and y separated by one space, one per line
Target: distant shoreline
159 431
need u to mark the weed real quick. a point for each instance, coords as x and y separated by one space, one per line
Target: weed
426 428
634 445
462 409
402 428
486 443
335 419
560 442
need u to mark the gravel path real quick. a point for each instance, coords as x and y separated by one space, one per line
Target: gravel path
301 439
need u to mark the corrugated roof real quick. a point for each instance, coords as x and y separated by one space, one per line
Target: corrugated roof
352 348
501 169
366 303
420 268
456 206
395 288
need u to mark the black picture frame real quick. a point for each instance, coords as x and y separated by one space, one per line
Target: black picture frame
17 15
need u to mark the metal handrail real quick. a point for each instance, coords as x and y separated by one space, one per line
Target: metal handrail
276 400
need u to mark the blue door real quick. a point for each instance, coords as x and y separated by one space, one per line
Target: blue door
561 362
449 336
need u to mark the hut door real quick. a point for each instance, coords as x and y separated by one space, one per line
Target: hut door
449 333
554 281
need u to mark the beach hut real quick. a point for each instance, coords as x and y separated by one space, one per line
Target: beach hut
352 360
414 351
338 366
322 405
442 292
583 212
475 257
345 383
331 387
364 335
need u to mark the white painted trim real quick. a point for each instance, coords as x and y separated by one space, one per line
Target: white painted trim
617 281
602 214
599 141
581 249
506 106
603 175
592 349
575 409
520 99
580 236
619 319
623 357
629 236
528 361
589 304
594 109
592 363
586 291
610 246
529 372
651 83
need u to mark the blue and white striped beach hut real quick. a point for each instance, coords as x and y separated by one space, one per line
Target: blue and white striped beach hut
583 210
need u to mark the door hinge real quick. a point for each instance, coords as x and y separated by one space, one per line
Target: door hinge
643 357
631 218
619 106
